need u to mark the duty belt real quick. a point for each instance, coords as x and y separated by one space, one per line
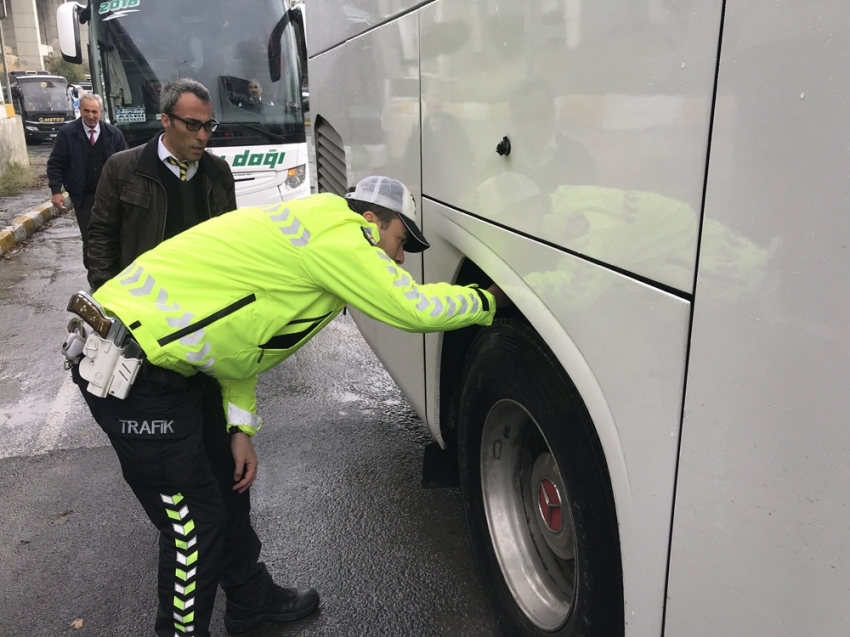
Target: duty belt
107 354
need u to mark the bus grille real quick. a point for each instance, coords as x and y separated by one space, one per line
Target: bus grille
330 159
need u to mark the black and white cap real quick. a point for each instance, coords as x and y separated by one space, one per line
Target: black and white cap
393 195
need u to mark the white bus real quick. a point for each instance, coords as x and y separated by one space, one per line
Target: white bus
247 56
654 440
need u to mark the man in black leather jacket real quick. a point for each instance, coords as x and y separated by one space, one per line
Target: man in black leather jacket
145 196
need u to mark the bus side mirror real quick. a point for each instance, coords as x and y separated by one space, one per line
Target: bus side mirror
274 49
68 25
297 19
292 16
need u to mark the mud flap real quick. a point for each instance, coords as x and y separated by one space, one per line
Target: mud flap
439 466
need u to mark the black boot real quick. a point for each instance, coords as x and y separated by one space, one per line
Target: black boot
280 605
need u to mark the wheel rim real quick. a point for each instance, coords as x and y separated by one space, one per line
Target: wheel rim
529 515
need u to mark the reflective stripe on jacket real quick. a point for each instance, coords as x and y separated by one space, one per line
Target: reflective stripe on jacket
240 293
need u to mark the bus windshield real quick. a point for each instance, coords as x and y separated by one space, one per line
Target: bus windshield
40 95
247 58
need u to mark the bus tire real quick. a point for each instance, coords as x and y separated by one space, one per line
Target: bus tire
536 491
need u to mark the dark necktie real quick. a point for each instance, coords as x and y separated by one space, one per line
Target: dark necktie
91 136
182 165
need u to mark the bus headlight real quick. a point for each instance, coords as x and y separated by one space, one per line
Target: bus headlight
295 177
33 128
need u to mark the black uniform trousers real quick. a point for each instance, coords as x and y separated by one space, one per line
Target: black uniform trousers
171 439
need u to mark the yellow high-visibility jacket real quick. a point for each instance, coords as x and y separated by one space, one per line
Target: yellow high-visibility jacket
238 294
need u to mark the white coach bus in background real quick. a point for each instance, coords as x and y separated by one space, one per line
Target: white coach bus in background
248 58
654 440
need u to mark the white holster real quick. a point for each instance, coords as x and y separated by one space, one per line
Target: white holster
108 356
107 369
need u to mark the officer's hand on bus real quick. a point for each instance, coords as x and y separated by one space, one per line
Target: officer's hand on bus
502 299
58 201
245 460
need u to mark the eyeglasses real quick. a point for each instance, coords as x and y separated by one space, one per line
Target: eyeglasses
194 125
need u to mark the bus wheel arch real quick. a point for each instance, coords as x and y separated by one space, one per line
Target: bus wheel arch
455 348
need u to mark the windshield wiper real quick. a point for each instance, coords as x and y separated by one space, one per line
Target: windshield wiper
280 139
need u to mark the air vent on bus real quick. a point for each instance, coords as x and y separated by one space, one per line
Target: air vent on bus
330 159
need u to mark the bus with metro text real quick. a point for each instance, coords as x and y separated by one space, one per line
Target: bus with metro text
40 98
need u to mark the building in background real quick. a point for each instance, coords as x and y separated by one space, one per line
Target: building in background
31 35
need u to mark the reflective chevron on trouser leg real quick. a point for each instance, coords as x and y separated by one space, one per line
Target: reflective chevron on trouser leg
186 567
184 485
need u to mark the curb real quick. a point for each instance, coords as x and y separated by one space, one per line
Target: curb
27 224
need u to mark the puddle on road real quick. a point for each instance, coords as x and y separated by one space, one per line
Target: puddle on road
23 414
18 434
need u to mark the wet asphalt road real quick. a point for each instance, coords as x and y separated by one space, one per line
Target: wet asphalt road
337 501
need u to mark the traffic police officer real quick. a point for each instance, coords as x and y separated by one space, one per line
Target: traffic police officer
230 298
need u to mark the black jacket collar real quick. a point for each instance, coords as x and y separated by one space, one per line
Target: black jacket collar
149 162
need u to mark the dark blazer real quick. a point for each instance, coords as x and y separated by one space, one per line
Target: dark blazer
128 217
69 158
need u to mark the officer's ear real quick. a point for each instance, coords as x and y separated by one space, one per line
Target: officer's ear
371 217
